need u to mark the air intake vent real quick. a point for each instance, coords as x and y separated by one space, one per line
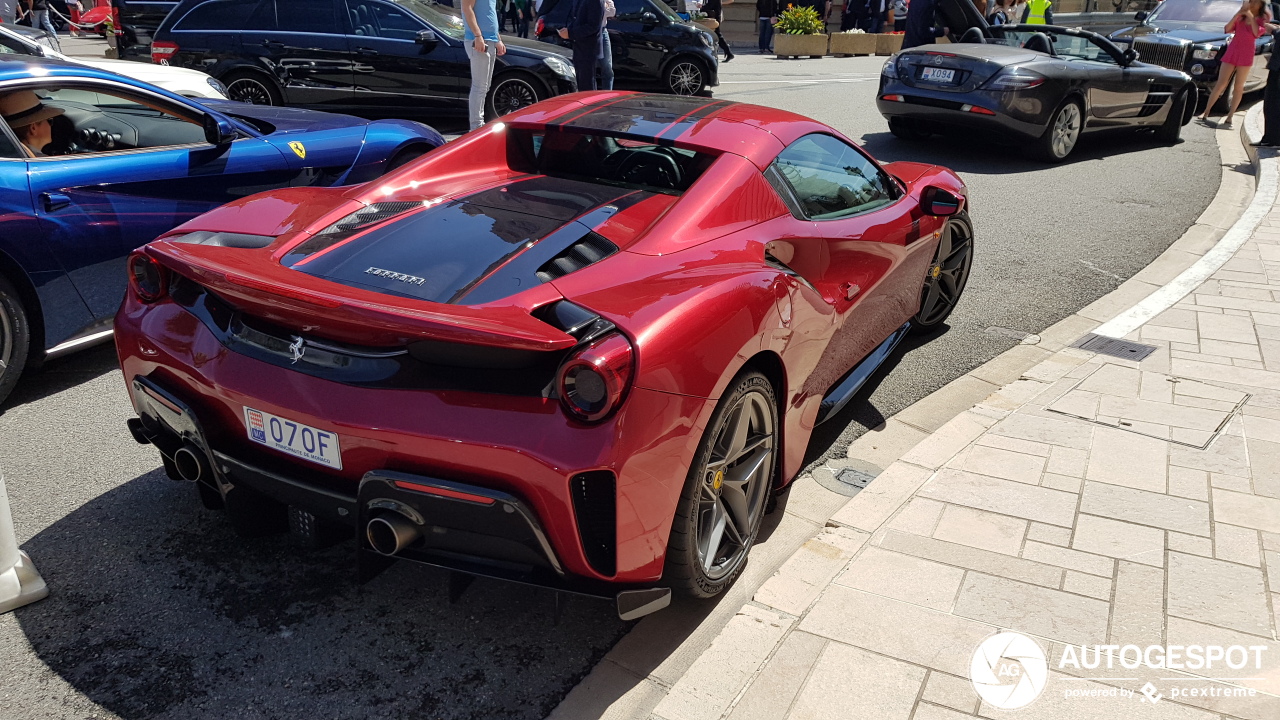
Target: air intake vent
592 248
595 505
348 226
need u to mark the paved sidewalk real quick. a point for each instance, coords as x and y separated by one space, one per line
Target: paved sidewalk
1094 501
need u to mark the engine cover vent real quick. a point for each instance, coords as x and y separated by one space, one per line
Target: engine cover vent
592 248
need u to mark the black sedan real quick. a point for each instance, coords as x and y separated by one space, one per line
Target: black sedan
1039 85
375 58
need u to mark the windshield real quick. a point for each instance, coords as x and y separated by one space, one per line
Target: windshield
1217 12
1067 47
441 17
666 11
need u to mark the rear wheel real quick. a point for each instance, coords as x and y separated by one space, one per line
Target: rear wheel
1060 137
726 491
15 338
947 275
1171 129
252 88
510 92
686 76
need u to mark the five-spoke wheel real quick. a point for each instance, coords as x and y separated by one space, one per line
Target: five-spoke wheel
947 274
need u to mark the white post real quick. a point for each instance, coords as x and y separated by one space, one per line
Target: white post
20 583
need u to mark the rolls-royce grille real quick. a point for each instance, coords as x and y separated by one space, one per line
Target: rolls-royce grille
1170 55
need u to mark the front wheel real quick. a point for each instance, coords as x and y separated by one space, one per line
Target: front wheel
1060 137
686 76
726 490
511 92
252 88
947 275
15 338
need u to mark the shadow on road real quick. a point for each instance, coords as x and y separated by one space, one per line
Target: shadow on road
62 374
159 611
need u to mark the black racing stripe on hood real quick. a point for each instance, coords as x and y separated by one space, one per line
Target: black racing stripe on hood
656 118
478 249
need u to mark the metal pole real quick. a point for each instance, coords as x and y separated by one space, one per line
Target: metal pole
20 582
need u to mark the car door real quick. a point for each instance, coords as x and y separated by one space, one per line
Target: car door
95 207
635 34
401 61
866 256
302 42
1115 92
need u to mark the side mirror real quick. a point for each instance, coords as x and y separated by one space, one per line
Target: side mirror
1140 15
1128 57
218 130
649 18
427 38
939 203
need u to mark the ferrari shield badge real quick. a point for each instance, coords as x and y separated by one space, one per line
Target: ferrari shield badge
298 149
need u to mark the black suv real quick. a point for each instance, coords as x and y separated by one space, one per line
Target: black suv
370 57
652 46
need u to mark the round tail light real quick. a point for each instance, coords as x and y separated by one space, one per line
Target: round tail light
594 380
146 277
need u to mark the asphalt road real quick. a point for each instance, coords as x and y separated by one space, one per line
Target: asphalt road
159 611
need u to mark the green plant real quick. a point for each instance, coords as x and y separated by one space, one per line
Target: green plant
800 21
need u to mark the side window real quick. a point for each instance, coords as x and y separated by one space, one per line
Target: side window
91 119
7 147
383 20
831 179
263 18
630 9
217 15
307 16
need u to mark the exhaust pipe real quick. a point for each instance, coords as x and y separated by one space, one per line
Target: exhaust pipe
191 463
390 533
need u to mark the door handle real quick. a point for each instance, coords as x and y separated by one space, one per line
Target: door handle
273 44
366 52
54 201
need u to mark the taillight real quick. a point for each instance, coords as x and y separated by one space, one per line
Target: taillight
146 277
1015 79
537 30
593 381
161 51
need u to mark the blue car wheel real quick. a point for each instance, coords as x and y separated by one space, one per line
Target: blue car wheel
15 338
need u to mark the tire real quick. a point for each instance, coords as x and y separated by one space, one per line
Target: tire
15 338
906 130
1170 131
947 276
686 75
1059 138
404 157
716 510
253 88
511 91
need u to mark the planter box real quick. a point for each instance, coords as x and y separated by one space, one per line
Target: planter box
853 44
799 45
888 44
709 24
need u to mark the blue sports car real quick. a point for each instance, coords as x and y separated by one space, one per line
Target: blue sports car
93 165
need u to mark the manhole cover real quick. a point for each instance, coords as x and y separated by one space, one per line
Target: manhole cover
1115 347
847 481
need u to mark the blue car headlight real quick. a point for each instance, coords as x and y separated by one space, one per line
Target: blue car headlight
558 66
217 85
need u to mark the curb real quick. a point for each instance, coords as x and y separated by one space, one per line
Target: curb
643 669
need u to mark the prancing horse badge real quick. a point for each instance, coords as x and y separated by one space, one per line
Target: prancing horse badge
298 149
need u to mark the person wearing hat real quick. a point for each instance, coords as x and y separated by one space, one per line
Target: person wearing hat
29 119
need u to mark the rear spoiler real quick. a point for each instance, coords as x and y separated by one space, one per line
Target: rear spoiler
282 296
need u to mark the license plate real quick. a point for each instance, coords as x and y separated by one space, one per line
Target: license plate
293 438
942 75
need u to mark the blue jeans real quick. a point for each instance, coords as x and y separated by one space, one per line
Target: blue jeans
606 63
40 20
766 35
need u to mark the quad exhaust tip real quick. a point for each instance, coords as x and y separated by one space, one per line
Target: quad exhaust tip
191 463
390 533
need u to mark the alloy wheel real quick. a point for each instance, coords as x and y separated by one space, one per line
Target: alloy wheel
249 90
947 275
685 78
1066 130
735 484
512 94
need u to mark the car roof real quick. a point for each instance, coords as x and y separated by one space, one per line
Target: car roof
19 67
753 131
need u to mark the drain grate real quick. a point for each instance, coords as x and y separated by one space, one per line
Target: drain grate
1114 347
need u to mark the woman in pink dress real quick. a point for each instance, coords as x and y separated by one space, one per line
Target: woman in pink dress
1247 24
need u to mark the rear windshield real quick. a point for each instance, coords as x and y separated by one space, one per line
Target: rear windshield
607 159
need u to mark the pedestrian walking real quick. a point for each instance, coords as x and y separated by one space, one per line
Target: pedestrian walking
714 10
523 15
900 15
1271 97
852 14
586 17
483 48
1037 12
922 26
605 82
1247 25
767 11
39 10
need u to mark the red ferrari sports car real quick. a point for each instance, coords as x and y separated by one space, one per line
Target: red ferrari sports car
581 347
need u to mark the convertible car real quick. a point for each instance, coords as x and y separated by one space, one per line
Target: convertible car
1039 85
128 161
580 348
